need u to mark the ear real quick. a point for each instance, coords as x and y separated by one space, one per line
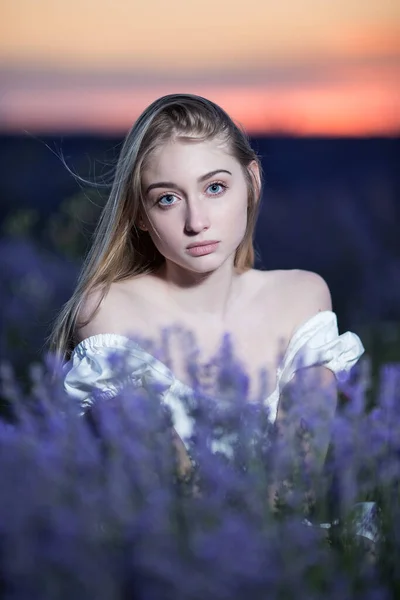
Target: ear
141 224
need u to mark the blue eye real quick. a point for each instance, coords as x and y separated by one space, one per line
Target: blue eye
214 184
218 185
165 196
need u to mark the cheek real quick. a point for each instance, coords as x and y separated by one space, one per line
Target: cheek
239 216
235 224
163 235
242 221
243 225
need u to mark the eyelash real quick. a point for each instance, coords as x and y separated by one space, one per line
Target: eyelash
164 207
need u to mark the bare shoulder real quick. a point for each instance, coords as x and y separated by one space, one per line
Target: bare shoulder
309 294
107 312
96 314
299 294
312 289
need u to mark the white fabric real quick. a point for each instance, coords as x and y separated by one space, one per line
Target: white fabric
315 342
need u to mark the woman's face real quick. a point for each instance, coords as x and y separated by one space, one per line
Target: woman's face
195 192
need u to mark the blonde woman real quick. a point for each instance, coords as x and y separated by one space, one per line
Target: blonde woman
174 245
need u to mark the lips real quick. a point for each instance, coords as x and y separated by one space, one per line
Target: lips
206 243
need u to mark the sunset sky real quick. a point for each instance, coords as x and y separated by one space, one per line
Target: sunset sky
304 67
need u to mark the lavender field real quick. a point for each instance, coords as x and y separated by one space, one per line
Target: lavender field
93 507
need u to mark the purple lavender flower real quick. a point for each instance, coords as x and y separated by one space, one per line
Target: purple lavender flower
93 505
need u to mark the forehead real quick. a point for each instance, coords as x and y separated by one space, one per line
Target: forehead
191 157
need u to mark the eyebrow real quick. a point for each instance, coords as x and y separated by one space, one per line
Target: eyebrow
170 184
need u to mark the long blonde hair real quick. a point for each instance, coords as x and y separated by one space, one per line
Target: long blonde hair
120 249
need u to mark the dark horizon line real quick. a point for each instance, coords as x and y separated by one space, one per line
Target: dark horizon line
267 134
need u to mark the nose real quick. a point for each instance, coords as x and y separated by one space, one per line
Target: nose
197 217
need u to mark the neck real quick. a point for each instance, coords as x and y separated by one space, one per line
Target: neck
208 295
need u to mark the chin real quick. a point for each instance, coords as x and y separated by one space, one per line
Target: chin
200 264
207 263
203 266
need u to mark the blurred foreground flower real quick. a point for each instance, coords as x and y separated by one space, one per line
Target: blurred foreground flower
95 506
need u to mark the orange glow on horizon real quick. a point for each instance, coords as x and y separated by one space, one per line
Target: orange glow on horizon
354 110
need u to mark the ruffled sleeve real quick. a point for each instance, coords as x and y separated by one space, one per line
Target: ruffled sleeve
102 365
95 369
317 342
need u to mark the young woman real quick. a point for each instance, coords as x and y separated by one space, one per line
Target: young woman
174 246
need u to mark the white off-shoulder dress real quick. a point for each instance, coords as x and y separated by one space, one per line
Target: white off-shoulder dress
314 342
